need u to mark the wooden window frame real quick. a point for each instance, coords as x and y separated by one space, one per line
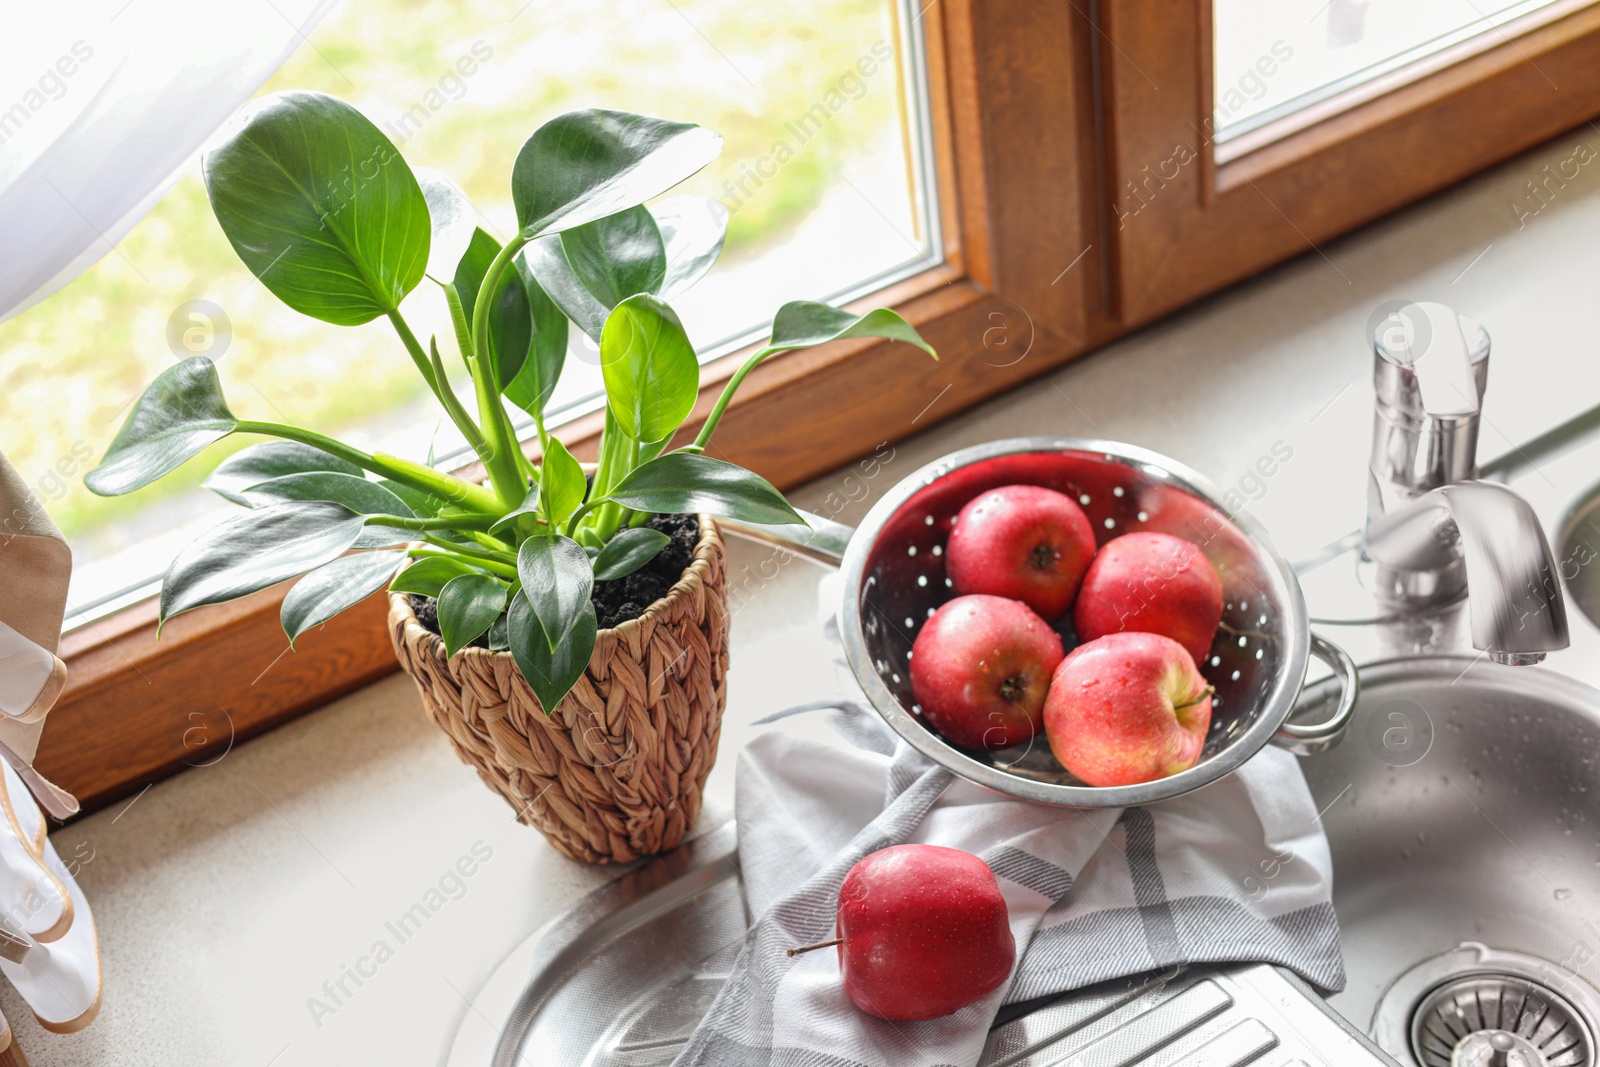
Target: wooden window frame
1375 149
1036 118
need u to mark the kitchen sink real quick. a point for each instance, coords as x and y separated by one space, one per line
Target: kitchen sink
1466 855
1462 814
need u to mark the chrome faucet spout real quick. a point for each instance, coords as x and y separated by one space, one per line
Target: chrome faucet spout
1515 603
1434 532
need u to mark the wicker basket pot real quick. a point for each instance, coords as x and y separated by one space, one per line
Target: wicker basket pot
616 771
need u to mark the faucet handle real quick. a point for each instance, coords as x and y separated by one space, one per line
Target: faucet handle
1432 362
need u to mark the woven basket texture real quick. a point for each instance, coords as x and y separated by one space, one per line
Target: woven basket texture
616 772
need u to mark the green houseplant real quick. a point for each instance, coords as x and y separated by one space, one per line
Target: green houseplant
321 207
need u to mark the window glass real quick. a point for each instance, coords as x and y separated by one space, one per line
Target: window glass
1275 57
824 172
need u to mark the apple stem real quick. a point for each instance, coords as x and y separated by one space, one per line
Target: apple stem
819 944
1207 691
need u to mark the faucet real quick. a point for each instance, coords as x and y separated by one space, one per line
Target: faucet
1433 530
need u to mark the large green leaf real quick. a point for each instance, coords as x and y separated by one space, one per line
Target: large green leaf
689 482
693 229
585 165
428 576
628 551
618 256
272 459
468 604
547 261
803 323
652 376
452 220
255 550
532 386
333 587
320 206
551 670
562 485
557 580
353 491
510 325
178 415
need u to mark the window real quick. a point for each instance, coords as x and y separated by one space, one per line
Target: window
1029 182
1274 59
823 173
1206 186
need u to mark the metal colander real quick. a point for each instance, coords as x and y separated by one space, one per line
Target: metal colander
894 579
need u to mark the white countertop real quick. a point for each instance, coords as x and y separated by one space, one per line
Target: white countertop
227 896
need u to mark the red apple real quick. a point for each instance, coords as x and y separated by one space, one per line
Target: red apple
1025 542
923 931
1155 583
1127 708
980 669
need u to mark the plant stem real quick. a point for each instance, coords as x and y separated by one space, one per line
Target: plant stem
608 517
490 541
453 406
577 516
703 438
493 566
472 550
619 454
416 475
647 452
504 471
529 471
458 322
418 356
423 525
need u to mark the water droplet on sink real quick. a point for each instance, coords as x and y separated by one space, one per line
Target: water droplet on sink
1405 853
1422 837
1563 893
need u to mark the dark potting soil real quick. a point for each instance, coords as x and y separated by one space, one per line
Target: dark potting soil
626 598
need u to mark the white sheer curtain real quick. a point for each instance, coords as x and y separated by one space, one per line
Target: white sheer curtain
102 103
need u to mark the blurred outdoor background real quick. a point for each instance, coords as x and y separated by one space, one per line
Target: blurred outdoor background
840 205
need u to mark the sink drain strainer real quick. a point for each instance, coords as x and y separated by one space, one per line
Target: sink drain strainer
1479 1007
1495 1019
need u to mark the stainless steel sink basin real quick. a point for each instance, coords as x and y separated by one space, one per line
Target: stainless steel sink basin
1463 809
1462 813
1579 549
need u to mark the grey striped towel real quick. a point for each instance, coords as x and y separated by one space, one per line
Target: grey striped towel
1237 871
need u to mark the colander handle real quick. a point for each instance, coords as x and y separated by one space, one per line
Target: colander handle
823 539
1306 740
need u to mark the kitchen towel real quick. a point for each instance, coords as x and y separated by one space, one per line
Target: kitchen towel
49 949
1237 871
